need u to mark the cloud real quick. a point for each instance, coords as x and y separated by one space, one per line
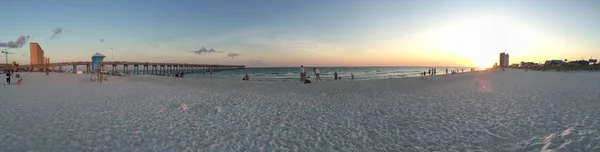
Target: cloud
205 51
15 44
58 31
231 55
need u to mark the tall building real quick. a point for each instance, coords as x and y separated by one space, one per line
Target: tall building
36 55
45 61
504 59
501 62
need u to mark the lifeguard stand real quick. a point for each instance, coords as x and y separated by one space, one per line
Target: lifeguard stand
98 75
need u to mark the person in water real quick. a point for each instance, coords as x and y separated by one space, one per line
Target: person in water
246 78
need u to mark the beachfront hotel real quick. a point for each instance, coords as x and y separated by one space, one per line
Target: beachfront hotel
504 60
36 56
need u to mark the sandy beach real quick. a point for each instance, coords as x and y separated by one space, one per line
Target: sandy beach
510 110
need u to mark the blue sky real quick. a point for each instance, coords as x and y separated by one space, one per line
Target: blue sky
279 32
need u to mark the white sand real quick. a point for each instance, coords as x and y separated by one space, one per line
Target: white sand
494 111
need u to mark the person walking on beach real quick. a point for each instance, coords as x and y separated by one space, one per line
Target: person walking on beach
317 74
8 75
302 73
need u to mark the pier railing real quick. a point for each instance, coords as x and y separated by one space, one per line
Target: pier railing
152 68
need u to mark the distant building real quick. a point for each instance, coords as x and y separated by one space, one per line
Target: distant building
527 64
554 63
593 61
504 60
580 62
36 55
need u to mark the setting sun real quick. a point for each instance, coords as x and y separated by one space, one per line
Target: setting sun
481 38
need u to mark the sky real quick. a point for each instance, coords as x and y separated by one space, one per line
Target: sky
308 32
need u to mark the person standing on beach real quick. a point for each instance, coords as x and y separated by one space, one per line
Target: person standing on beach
317 74
302 73
335 75
351 76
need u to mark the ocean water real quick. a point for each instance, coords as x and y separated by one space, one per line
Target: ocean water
293 73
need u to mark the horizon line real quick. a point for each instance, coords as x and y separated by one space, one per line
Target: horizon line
359 67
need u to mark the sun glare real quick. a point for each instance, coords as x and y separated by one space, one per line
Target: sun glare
481 38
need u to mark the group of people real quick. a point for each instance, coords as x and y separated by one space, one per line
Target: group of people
303 77
179 75
9 76
306 79
432 71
